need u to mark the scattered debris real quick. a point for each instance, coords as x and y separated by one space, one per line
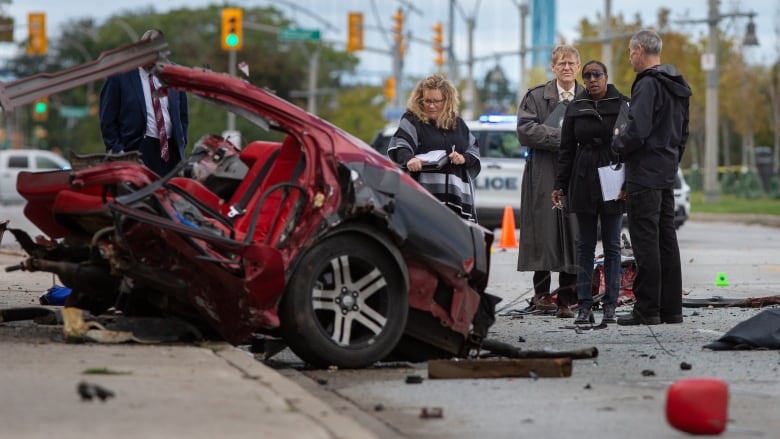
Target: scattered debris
414 379
24 313
720 301
56 295
87 391
500 368
685 366
80 326
322 381
104 371
648 373
379 407
510 351
432 413
760 331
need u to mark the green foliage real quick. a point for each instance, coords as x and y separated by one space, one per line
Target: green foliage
735 204
193 37
356 108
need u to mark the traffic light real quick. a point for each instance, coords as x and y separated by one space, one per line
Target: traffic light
232 29
355 36
438 44
41 109
36 33
390 88
398 31
7 29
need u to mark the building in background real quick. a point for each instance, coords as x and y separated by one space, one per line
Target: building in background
543 19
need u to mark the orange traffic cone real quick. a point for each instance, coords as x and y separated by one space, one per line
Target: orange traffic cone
508 238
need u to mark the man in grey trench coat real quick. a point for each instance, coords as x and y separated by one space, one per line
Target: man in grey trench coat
547 235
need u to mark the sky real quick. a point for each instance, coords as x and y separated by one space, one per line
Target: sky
496 22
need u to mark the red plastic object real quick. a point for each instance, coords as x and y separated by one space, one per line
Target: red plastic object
698 405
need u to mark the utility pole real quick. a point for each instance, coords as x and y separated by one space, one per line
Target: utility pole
470 93
522 81
710 65
452 62
606 48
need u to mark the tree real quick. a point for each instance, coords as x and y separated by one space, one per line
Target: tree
495 94
193 37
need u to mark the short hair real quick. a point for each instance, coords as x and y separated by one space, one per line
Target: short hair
649 40
562 50
449 111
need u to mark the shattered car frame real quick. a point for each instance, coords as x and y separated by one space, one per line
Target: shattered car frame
320 241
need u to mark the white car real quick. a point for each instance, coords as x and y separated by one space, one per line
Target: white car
13 161
503 162
682 200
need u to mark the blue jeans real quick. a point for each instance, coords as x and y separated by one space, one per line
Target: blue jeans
658 282
586 252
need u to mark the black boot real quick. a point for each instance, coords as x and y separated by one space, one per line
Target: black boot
609 315
584 316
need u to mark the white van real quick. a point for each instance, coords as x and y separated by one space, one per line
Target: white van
13 161
502 159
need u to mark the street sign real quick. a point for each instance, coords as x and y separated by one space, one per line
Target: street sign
74 112
298 34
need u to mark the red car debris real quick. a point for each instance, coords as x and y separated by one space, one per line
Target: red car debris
315 238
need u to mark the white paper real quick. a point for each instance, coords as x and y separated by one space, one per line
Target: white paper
432 156
611 180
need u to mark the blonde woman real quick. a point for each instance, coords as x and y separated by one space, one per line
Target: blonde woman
431 123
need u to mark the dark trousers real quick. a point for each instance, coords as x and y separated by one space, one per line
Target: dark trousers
586 252
658 282
150 154
567 284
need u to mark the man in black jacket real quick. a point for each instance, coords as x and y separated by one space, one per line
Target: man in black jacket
652 145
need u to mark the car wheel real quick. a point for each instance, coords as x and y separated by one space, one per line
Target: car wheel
346 303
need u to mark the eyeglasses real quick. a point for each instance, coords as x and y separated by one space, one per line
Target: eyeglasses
432 101
596 74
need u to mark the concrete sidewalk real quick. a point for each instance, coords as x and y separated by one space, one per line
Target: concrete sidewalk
160 391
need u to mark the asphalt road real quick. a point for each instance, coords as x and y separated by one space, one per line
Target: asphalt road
619 394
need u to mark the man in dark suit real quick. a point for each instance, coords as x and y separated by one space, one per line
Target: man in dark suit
129 119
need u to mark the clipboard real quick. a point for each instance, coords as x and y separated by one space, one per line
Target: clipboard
433 160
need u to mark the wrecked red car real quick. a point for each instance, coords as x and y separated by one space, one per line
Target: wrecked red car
315 239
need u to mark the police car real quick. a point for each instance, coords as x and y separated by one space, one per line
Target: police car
503 162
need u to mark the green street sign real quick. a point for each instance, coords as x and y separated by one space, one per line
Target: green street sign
74 112
297 34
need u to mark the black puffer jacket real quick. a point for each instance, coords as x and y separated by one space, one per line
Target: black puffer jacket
586 138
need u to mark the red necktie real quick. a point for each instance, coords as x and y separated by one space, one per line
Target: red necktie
158 117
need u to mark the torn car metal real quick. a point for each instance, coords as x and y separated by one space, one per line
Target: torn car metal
315 238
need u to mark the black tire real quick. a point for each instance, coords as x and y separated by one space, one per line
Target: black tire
347 281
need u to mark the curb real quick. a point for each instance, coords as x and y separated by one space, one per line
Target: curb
746 218
297 399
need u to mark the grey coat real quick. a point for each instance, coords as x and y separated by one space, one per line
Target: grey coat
547 235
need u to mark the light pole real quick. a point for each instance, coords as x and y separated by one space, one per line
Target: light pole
710 64
521 83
